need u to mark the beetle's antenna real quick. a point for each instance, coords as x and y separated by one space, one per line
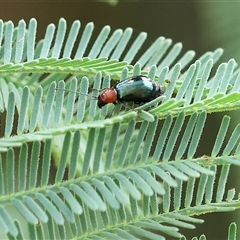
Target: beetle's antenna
99 90
68 90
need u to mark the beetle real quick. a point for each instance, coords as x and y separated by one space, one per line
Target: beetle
137 89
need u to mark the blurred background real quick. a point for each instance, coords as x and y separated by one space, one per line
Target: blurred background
200 25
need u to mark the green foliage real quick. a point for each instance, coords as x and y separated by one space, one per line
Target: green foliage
71 170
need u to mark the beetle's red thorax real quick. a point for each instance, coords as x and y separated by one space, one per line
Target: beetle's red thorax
108 96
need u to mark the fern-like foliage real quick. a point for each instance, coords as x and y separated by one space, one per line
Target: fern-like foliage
71 170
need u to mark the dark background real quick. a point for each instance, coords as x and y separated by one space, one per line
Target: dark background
200 25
